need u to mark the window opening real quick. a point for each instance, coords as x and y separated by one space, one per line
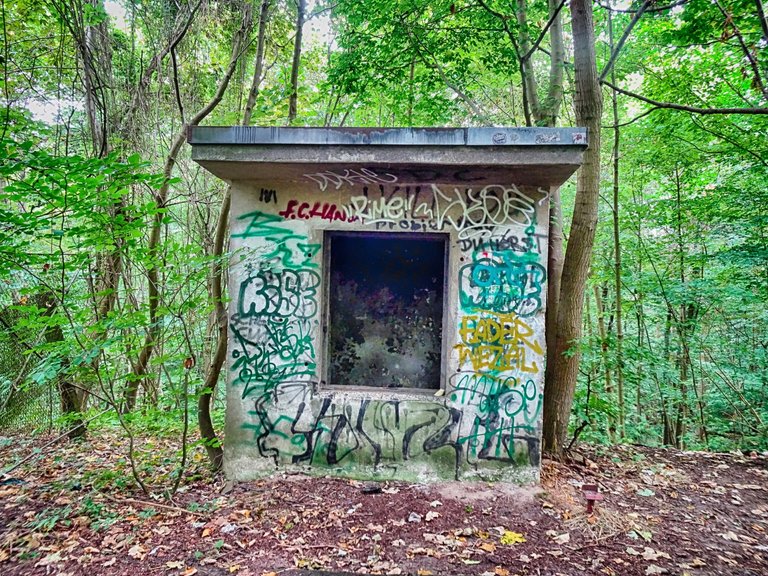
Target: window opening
386 309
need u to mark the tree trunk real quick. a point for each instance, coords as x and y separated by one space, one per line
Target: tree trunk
72 397
603 335
204 421
551 106
554 273
301 9
258 70
669 433
617 249
588 103
96 55
526 68
141 367
218 271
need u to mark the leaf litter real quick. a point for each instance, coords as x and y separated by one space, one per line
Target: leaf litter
73 511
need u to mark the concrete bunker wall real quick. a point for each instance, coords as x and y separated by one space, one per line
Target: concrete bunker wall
281 406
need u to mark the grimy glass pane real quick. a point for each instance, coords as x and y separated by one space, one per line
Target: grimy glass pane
386 309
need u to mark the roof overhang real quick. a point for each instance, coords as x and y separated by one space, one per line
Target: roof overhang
522 156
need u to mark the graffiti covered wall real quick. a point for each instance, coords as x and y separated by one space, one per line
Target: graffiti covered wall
283 408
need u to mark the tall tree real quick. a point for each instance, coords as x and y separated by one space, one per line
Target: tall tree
588 104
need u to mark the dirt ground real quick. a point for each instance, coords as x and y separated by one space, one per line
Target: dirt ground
72 509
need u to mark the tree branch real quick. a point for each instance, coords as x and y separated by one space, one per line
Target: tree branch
763 19
744 48
142 365
543 33
154 64
620 44
631 11
691 109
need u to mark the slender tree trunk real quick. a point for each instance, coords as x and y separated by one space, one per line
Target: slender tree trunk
258 71
96 55
526 68
301 8
669 433
555 259
603 335
617 248
218 272
640 314
204 421
588 103
72 397
682 322
141 366
551 106
549 112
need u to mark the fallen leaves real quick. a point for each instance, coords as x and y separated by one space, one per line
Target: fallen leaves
730 535
137 552
695 563
510 538
647 553
646 535
278 523
558 538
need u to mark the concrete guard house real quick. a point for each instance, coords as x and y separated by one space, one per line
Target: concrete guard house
387 296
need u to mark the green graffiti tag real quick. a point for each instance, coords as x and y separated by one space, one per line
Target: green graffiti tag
275 307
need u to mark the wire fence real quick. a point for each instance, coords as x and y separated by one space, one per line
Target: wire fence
26 405
35 407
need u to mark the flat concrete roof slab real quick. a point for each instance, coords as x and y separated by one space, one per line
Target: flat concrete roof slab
524 156
248 135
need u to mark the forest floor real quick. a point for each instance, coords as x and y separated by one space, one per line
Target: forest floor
72 509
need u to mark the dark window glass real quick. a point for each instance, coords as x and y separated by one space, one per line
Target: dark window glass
386 309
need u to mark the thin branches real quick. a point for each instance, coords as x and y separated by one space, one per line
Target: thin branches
684 108
620 44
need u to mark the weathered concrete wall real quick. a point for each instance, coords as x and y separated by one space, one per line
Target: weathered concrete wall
486 420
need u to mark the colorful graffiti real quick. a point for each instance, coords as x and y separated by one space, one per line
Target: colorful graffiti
295 425
322 210
500 309
510 239
497 343
275 307
491 408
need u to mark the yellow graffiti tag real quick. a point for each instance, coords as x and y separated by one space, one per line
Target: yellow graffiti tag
498 342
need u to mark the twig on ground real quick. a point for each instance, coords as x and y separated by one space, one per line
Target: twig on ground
154 505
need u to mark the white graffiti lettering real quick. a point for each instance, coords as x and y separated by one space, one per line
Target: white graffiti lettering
349 177
473 213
